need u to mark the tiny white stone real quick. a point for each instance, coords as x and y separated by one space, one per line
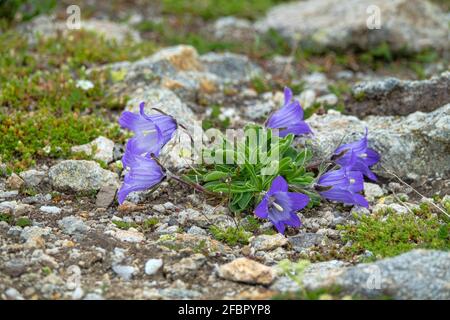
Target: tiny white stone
125 272
152 266
50 209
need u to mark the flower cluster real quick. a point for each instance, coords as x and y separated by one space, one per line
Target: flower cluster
151 133
281 195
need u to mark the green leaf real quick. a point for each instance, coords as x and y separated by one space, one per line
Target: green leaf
245 200
215 175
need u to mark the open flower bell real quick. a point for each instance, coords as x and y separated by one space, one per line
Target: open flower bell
152 132
280 206
343 186
365 157
288 119
144 173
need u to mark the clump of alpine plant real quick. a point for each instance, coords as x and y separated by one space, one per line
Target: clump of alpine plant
267 176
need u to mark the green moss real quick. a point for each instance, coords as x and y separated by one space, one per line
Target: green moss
231 235
251 224
23 222
149 224
6 218
43 112
388 234
359 96
27 137
124 225
28 9
146 225
213 9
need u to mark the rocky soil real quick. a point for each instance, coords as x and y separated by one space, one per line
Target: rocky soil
64 236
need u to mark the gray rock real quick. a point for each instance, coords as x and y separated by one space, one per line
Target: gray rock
93 296
80 175
336 24
418 143
32 177
392 96
8 206
197 231
15 267
175 68
185 266
39 199
29 233
268 242
8 194
318 272
372 191
48 26
305 240
100 149
106 195
419 274
233 29
152 266
230 68
73 225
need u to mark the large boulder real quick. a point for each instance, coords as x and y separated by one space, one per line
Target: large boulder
392 96
418 144
180 69
343 24
418 274
80 176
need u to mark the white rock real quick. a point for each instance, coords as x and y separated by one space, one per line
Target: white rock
50 209
307 98
152 266
125 272
372 191
130 235
328 99
100 149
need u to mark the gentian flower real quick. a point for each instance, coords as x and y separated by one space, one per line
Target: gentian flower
343 186
144 173
288 119
279 205
365 157
152 132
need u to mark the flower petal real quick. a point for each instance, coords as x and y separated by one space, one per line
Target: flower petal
372 157
297 200
294 221
279 226
144 173
262 209
360 200
278 185
287 95
298 129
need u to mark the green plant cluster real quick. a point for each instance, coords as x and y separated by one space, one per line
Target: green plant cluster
388 233
247 170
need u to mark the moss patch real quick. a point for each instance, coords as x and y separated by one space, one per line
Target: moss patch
43 111
231 235
388 234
